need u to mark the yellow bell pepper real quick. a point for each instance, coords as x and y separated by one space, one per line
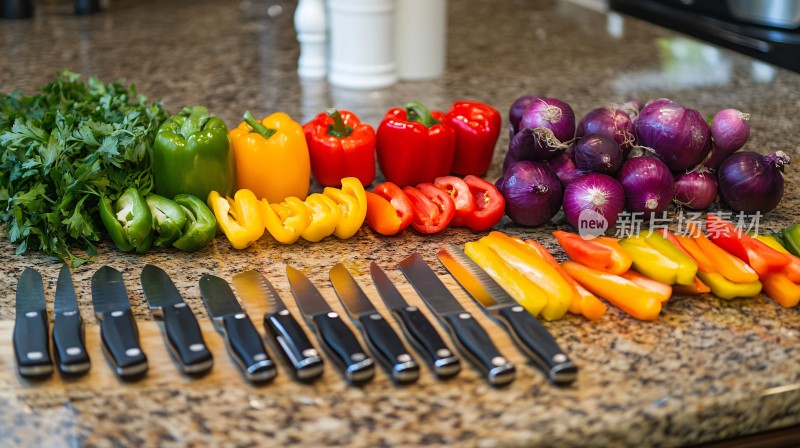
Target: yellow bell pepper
524 258
726 289
272 157
239 218
325 215
287 220
660 260
352 201
518 286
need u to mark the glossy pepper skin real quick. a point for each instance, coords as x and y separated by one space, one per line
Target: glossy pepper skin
128 221
169 219
272 157
352 201
340 146
201 226
192 154
239 218
414 146
477 127
325 216
287 220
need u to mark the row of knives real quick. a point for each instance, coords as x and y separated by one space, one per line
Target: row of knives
185 343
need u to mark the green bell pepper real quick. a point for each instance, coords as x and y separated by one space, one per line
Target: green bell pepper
201 224
169 219
192 154
791 239
129 221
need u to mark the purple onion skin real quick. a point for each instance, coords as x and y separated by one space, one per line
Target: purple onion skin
610 122
677 135
564 167
598 154
520 148
648 184
750 182
532 192
696 190
729 130
553 125
598 192
518 108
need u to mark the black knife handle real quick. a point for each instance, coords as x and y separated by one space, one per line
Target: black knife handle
121 343
245 346
32 344
389 349
538 344
185 340
476 344
306 361
344 348
426 339
69 343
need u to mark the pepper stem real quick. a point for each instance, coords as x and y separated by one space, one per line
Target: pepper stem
196 118
338 128
258 128
415 111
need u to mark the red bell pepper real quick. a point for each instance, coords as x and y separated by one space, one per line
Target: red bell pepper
462 197
490 206
389 211
340 146
414 146
602 253
433 208
477 126
762 258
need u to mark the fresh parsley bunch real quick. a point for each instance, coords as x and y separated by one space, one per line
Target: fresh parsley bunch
61 150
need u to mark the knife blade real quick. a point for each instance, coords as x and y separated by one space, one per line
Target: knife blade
530 336
118 330
417 328
31 338
336 338
470 338
69 338
182 333
241 337
285 332
379 335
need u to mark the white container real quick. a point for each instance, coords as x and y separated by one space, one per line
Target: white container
421 38
311 24
361 43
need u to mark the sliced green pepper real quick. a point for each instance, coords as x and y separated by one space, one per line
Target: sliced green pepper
129 222
169 219
791 239
201 225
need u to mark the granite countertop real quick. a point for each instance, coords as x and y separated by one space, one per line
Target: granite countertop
708 369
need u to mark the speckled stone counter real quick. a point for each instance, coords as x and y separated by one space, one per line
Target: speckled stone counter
708 369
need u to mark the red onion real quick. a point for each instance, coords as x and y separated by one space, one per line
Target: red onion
677 135
598 154
696 189
564 167
520 147
610 122
553 124
599 193
518 108
729 130
648 185
632 108
750 182
533 193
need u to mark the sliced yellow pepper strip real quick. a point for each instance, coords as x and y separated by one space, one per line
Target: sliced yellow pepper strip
649 261
687 268
524 259
518 286
287 220
352 201
325 215
239 218
726 289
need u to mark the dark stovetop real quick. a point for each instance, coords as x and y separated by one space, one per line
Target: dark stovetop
711 21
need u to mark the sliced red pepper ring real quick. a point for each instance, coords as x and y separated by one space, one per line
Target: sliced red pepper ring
490 206
402 205
462 198
433 208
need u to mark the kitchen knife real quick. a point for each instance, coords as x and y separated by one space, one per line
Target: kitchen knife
69 339
334 335
118 330
528 333
284 330
379 335
241 337
31 338
469 336
442 361
181 330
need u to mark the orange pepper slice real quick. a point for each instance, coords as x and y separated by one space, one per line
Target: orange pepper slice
663 290
731 267
601 253
698 287
784 291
